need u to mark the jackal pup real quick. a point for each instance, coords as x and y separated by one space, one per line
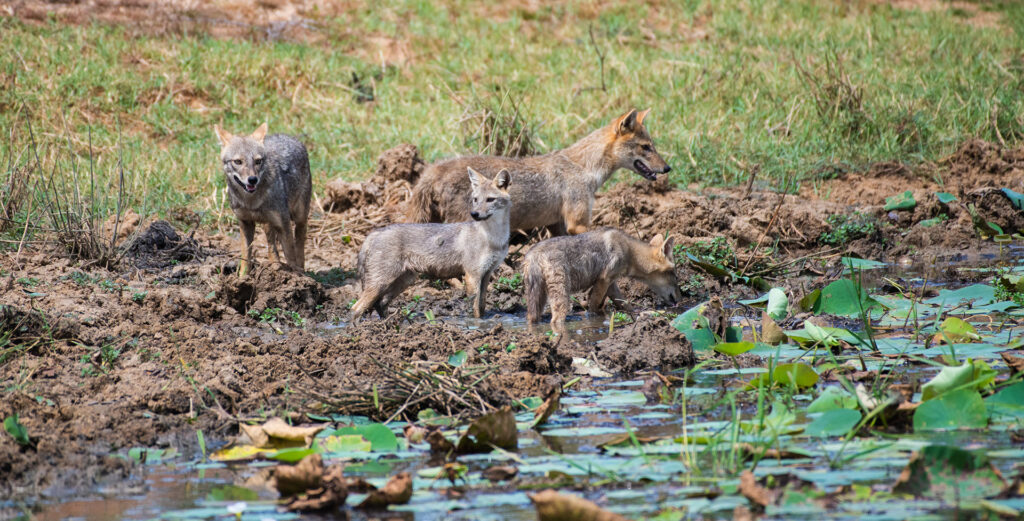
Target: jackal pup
554 190
269 182
391 257
558 267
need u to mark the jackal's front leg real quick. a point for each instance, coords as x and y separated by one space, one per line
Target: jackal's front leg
595 301
617 299
248 233
476 288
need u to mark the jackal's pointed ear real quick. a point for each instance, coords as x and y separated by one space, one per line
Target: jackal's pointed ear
223 135
667 247
502 180
626 124
640 117
260 133
475 178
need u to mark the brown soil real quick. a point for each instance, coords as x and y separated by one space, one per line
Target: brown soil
173 341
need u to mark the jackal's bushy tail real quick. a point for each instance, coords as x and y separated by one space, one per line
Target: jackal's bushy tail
420 203
536 290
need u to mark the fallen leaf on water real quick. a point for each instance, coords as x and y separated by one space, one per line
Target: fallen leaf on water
550 405
438 443
587 367
497 429
414 433
756 493
296 479
277 428
552 506
497 473
332 493
397 491
951 474
771 333
1016 363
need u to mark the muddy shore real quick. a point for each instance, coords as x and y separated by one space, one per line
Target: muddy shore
172 341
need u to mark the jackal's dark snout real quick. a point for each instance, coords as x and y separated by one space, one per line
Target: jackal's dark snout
476 216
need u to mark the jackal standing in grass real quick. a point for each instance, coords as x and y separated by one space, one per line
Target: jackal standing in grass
556 268
269 182
554 190
391 257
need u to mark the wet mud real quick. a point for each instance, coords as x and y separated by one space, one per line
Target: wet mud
172 341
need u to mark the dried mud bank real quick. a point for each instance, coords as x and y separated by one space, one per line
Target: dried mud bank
95 361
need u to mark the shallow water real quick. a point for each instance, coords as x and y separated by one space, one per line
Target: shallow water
684 467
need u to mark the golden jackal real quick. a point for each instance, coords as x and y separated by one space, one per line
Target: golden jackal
391 257
554 190
269 182
556 268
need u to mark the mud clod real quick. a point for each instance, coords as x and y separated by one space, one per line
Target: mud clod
649 343
272 287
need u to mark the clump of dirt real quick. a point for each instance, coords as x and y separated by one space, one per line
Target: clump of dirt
401 163
160 246
648 343
341 195
271 287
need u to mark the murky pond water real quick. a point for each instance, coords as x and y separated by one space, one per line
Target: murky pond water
610 443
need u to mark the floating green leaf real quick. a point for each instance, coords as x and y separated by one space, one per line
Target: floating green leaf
345 443
949 378
809 301
16 429
945 197
695 328
980 294
844 298
956 331
380 437
950 474
963 409
797 373
734 348
1009 401
904 201
854 263
836 422
832 398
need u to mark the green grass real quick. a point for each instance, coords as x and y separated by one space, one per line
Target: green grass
904 84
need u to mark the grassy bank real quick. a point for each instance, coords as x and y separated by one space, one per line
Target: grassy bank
802 89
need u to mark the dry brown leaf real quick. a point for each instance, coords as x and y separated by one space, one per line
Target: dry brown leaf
415 433
297 479
552 506
438 443
332 494
756 493
497 429
1016 363
257 437
397 491
497 473
771 333
277 428
550 405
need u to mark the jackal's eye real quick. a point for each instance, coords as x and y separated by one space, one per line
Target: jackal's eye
646 148
237 162
490 199
257 161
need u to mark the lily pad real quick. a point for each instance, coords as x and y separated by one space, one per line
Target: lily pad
980 294
963 409
836 422
734 348
832 398
1009 401
955 330
797 373
844 298
381 438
